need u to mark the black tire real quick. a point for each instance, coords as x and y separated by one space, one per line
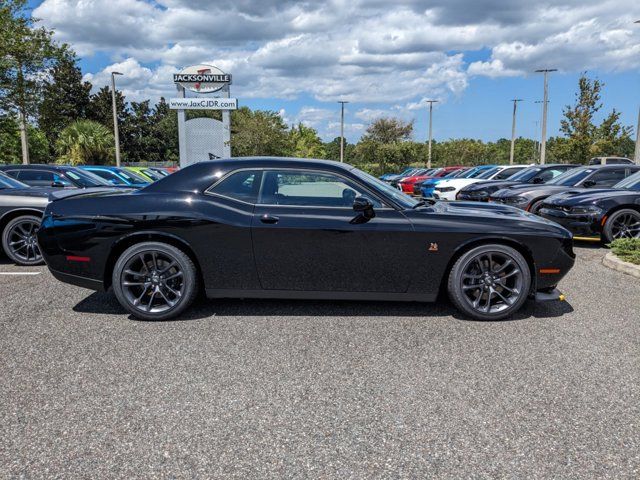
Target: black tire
535 206
472 285
624 223
148 277
19 240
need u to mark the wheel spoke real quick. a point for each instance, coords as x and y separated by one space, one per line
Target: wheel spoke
133 274
174 292
164 297
166 269
175 275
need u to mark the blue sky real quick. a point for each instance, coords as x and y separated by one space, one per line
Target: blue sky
299 58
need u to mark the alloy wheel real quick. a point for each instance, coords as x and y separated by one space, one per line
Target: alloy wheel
626 225
23 243
152 281
492 282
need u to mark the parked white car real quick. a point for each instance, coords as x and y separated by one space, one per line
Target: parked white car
447 189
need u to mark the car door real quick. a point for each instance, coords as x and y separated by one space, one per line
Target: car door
307 237
605 178
42 178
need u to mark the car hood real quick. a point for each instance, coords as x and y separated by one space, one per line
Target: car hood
481 214
458 182
523 189
493 184
28 192
589 195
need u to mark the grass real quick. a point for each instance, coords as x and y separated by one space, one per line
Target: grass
627 249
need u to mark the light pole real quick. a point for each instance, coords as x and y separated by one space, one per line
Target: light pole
341 102
430 102
513 129
543 139
115 115
637 153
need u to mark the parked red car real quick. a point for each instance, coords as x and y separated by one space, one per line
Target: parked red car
406 184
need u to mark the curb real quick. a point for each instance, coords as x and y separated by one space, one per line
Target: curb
611 261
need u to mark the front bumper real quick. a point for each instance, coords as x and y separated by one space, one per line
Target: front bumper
509 202
580 225
471 197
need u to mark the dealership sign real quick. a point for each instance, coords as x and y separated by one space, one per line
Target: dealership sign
203 103
202 78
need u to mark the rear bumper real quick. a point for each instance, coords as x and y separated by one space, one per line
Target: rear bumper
78 281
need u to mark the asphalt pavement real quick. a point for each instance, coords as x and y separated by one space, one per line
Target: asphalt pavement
300 389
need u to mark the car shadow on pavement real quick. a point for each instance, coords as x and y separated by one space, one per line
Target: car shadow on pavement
106 303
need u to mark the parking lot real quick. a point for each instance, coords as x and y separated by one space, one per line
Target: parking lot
258 389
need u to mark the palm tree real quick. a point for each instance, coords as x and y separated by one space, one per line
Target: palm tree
85 142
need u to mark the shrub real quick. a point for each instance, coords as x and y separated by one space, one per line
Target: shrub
627 249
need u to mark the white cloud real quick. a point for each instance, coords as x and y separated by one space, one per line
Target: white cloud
397 53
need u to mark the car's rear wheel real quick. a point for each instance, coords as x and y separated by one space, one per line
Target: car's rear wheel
155 281
624 223
490 282
19 240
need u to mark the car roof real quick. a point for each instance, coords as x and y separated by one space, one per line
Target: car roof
203 174
36 166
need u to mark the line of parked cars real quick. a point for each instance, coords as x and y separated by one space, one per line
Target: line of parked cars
25 191
599 201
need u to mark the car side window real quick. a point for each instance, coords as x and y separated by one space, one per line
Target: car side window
42 178
550 174
506 173
607 178
310 189
243 185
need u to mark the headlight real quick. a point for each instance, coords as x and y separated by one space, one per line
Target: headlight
514 200
586 210
446 189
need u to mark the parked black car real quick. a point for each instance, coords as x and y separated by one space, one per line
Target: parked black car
58 176
295 228
21 209
531 197
480 191
607 214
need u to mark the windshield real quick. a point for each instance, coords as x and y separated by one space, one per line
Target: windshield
488 173
453 174
630 183
7 182
476 172
131 177
404 200
571 177
526 174
84 178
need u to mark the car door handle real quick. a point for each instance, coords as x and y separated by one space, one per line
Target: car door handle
266 218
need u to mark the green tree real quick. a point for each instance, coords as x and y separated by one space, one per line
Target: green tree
258 132
65 98
85 142
26 55
305 142
578 124
332 150
10 145
388 130
611 138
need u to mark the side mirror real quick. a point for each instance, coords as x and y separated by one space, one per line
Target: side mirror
57 184
538 180
364 207
589 184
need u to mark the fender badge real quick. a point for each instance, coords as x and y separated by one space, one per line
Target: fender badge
433 247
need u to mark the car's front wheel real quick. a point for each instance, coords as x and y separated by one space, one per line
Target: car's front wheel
489 282
624 223
19 240
155 281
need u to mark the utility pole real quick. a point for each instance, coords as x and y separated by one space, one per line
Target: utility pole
341 102
543 139
430 102
637 153
513 129
115 116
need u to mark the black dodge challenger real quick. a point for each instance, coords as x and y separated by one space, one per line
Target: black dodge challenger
603 214
304 229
